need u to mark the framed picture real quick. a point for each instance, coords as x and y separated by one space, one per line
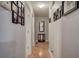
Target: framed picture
58 13
55 16
62 9
21 13
69 6
49 20
22 21
17 8
19 4
41 26
14 17
22 10
19 20
15 2
14 8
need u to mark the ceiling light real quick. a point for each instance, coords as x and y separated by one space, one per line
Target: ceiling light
41 6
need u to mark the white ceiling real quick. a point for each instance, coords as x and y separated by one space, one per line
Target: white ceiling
42 12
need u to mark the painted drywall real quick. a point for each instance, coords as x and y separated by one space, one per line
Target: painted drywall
57 38
55 31
16 40
66 34
20 41
29 19
6 32
50 37
50 31
37 20
70 32
12 36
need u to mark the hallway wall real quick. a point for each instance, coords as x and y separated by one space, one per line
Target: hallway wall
50 29
30 34
55 31
16 40
37 20
70 35
65 32
12 36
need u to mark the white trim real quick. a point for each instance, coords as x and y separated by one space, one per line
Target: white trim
51 55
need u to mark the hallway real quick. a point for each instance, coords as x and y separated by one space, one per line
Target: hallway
40 51
39 29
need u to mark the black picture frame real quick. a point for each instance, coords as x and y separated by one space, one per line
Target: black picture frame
18 15
21 13
49 20
14 9
58 13
22 21
42 26
14 17
54 16
67 10
61 11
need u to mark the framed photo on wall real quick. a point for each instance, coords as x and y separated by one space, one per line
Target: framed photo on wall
54 16
58 13
14 17
41 26
19 20
17 9
21 13
22 21
69 6
49 20
22 10
14 8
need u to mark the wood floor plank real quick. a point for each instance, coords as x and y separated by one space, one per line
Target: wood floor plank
40 51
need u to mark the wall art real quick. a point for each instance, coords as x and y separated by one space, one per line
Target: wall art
69 6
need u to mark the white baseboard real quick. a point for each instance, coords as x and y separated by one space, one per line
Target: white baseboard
51 55
28 53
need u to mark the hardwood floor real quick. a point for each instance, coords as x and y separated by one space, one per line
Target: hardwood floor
40 51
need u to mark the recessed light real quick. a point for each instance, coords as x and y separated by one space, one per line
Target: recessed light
41 5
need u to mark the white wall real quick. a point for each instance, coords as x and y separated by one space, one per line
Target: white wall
16 40
50 29
55 31
37 20
29 19
50 37
70 35
57 38
65 34
12 36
